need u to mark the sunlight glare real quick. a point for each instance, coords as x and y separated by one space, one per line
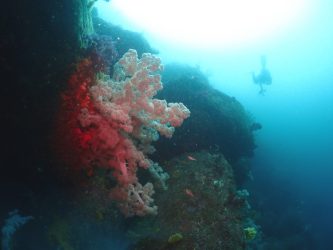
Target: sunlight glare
209 22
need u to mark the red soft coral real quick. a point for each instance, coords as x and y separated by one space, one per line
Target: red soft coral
110 123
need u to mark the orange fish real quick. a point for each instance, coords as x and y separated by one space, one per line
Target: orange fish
189 192
191 158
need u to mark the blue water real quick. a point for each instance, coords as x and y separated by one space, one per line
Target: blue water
295 146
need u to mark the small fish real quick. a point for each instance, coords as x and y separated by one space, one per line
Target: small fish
191 158
90 172
189 192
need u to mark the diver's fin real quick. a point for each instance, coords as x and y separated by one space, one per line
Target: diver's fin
254 78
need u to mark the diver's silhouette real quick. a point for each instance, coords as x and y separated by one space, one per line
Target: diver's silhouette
264 77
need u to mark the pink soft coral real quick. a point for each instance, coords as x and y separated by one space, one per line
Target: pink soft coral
118 121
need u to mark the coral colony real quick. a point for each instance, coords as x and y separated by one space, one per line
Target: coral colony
110 122
12 224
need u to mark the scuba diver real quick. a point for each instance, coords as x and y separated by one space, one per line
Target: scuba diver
264 77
